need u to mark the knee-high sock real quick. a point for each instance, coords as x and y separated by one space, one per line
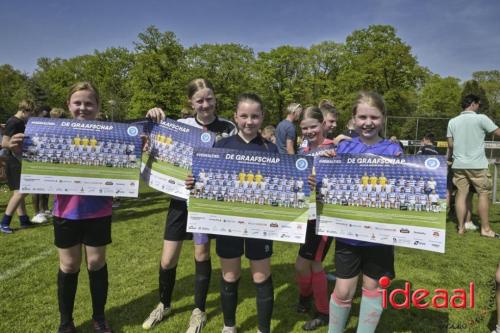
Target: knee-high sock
6 219
202 282
98 281
305 285
66 292
339 312
320 291
229 301
167 283
370 310
265 304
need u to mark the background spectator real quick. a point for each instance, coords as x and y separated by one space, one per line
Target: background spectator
466 133
286 135
269 133
12 140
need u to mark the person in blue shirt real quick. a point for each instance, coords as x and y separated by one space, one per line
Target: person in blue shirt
286 136
248 117
352 256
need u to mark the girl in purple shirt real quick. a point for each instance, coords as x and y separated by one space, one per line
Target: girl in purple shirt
82 220
353 257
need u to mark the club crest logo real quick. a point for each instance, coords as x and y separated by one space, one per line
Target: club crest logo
132 131
301 164
432 163
205 137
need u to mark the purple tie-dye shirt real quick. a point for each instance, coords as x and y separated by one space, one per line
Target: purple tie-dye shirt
82 207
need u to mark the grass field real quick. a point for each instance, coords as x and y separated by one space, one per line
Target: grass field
72 170
165 168
28 268
252 210
391 216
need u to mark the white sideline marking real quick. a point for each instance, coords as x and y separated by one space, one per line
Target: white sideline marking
19 268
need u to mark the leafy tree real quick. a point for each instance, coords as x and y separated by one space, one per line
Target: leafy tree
108 71
490 82
227 66
438 98
111 73
326 61
14 86
281 76
55 76
473 87
377 59
157 78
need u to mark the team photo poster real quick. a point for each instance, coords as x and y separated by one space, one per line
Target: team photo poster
64 156
388 200
250 194
168 156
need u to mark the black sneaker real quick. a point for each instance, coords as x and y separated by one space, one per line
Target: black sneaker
28 224
67 328
314 324
304 305
101 326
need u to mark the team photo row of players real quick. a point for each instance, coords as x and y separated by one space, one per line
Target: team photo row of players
170 151
380 192
81 151
251 188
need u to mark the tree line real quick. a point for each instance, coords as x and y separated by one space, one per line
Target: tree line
158 68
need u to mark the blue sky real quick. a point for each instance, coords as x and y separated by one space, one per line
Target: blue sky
451 37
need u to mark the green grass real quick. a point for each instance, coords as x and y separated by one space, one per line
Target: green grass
164 167
72 170
251 210
28 268
383 215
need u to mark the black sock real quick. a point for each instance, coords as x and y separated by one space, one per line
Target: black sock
6 220
98 281
167 283
66 292
265 303
202 282
229 300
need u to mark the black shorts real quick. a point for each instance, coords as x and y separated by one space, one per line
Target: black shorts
13 172
316 246
176 224
229 247
372 261
92 232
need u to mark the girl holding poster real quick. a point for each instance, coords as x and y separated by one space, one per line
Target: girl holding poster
201 97
311 277
249 116
352 256
82 220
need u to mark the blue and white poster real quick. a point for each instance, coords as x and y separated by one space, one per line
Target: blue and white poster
388 200
250 194
64 156
168 157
